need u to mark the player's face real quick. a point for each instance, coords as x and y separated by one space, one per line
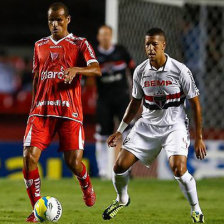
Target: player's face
105 37
58 23
154 47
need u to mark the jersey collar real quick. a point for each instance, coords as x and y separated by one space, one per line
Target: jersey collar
108 51
57 42
164 68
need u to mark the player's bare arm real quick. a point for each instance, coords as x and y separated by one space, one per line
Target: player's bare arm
129 115
93 69
34 90
200 148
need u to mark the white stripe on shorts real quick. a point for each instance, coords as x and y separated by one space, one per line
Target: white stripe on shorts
27 140
80 138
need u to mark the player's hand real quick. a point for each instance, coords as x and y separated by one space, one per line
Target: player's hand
113 139
200 149
70 74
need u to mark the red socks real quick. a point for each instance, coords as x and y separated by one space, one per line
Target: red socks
83 178
32 182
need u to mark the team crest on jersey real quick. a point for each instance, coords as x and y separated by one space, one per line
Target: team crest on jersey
54 56
160 100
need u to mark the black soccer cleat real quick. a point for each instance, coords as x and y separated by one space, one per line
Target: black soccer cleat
112 210
197 218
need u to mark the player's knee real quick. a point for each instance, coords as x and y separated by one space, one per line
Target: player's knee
120 167
72 163
69 162
178 170
30 159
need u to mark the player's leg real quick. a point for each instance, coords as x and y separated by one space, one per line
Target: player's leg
73 159
178 164
71 136
104 128
38 135
31 175
140 144
176 145
120 180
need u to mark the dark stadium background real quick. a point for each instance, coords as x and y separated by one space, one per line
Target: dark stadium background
23 22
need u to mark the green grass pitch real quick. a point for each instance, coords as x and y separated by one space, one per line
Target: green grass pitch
152 202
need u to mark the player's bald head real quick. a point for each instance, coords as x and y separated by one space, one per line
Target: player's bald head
156 32
57 6
107 27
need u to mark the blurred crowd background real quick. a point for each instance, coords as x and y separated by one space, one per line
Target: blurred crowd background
194 33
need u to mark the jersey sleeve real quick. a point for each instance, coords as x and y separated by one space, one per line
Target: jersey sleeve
137 91
188 84
35 60
88 52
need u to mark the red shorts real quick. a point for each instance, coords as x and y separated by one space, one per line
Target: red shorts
41 130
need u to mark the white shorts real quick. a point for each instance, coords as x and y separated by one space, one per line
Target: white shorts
146 141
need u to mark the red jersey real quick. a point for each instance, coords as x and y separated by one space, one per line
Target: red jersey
51 58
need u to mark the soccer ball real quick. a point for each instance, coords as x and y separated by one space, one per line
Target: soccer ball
47 208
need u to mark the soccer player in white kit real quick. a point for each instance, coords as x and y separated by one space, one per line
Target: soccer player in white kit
162 84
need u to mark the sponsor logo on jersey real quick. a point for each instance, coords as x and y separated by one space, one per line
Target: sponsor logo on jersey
56 46
53 103
157 83
51 75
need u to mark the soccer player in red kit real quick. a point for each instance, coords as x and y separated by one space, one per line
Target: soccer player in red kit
59 62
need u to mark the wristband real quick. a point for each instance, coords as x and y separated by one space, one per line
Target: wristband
122 127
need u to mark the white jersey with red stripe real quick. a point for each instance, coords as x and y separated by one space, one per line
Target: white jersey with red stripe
164 91
53 97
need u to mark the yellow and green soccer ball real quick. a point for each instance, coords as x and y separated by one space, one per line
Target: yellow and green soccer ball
47 208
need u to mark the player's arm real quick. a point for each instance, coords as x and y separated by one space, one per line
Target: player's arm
200 148
93 69
129 115
34 89
35 73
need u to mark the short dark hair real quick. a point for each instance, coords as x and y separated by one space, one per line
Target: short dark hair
59 5
155 31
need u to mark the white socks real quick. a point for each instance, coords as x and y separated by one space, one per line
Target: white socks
102 157
120 182
188 186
